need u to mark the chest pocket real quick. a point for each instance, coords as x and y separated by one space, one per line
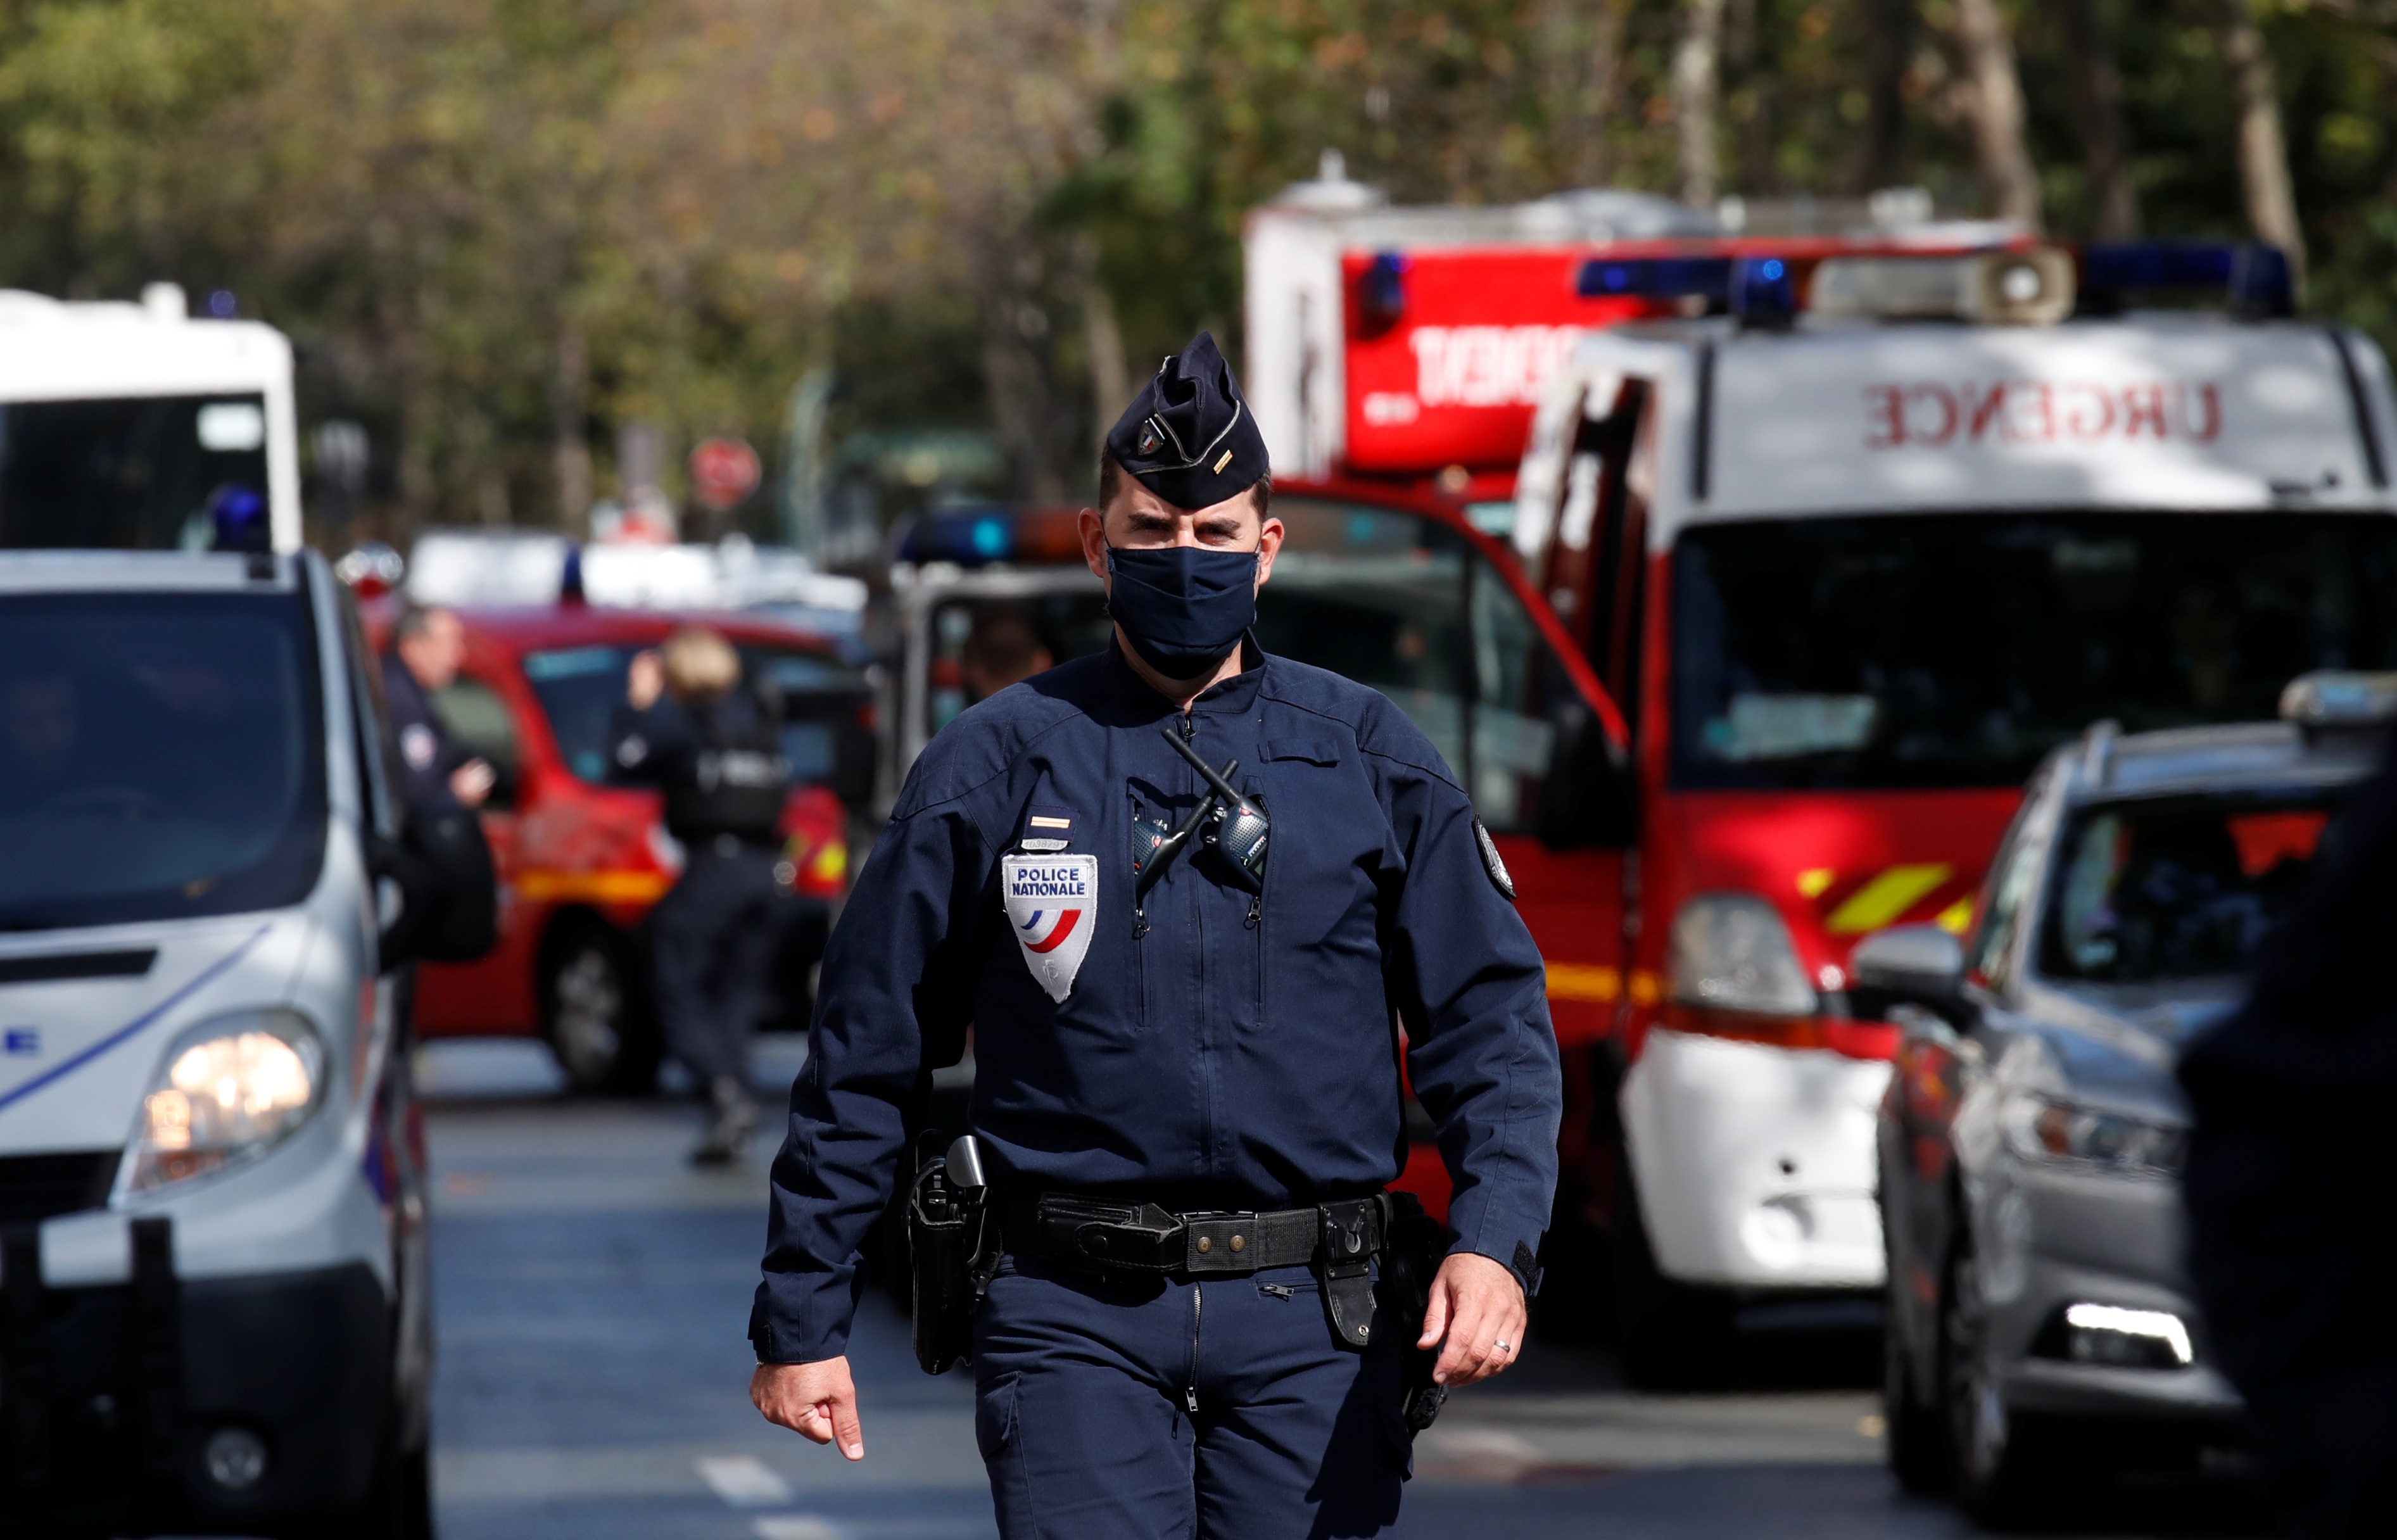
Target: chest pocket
1314 751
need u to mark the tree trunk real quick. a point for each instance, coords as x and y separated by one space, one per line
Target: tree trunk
1014 331
2098 100
2263 154
1995 107
570 450
1696 89
1889 47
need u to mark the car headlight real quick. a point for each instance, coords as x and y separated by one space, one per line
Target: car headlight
2042 1128
229 1089
1732 952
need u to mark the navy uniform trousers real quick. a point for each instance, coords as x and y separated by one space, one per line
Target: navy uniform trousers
714 937
1152 1408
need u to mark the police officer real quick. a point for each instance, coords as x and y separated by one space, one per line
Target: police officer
428 644
1187 1026
688 728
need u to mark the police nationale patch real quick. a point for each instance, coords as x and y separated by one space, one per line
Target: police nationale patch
1051 903
1490 862
417 745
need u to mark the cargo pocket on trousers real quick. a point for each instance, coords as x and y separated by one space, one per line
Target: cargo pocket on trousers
995 1416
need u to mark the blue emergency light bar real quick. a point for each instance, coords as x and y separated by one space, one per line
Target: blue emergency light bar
2251 276
981 535
1757 289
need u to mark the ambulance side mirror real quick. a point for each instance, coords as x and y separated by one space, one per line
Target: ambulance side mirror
1589 799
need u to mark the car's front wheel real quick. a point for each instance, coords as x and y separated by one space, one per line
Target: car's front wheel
2002 1465
593 1014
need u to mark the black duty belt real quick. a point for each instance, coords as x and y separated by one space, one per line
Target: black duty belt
1339 1239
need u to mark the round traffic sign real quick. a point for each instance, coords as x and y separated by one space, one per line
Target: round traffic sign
723 471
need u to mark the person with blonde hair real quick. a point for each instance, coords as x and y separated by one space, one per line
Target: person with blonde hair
689 729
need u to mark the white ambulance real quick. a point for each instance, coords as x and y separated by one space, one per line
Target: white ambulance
1853 553
138 427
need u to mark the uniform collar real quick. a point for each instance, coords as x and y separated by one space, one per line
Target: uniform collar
1225 698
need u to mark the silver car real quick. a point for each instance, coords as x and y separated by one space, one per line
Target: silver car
2041 1326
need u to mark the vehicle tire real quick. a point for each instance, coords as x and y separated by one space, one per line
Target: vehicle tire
594 1013
397 1507
2003 1468
1672 1335
1915 1439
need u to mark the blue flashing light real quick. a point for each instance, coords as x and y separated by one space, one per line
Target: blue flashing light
1760 290
2253 277
222 304
1381 292
238 519
969 538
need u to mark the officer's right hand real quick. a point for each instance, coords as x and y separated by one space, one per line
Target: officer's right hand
817 1400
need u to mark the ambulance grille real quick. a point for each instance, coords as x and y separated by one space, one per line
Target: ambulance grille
35 1188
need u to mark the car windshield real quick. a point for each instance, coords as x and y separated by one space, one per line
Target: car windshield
1390 599
2188 888
1955 650
133 474
579 688
161 757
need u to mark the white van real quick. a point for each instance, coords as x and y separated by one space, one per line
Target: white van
213 1289
138 427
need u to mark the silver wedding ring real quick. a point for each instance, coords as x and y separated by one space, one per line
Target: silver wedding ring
1504 1347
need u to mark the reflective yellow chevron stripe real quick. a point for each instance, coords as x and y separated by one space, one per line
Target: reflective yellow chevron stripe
1581 980
1884 898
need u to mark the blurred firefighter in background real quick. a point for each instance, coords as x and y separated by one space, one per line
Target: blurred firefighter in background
691 727
1002 650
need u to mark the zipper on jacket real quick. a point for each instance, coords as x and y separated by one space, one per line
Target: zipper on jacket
1190 1391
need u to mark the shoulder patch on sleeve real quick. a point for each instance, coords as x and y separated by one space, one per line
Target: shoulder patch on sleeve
1491 862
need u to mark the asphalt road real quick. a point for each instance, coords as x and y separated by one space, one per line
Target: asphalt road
593 1290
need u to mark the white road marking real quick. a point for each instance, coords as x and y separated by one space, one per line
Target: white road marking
744 1480
796 1526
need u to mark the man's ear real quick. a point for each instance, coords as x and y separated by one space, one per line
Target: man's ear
1092 526
1268 542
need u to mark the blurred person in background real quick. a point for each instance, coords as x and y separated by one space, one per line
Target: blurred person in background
1002 649
2293 1216
427 646
688 727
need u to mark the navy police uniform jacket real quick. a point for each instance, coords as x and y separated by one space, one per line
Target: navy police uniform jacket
1238 1054
428 754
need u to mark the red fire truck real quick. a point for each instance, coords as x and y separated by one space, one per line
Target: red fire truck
1847 533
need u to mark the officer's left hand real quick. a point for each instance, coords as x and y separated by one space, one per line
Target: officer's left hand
1478 1306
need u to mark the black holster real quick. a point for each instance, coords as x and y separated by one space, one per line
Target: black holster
1414 1244
951 1260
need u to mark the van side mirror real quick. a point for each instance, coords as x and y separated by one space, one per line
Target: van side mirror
1588 799
1909 964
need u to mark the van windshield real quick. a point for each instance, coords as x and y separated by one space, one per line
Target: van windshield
1954 649
135 473
161 757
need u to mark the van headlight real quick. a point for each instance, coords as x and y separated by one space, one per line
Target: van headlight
2042 1128
1731 951
230 1089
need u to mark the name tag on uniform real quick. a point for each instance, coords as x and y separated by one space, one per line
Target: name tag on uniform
1051 908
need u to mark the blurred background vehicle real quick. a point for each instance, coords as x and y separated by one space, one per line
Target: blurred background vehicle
2041 1327
1854 554
138 427
213 1275
582 861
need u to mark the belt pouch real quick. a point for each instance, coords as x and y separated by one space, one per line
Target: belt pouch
945 1245
1349 1234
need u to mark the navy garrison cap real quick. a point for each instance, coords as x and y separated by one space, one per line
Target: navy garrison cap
1190 436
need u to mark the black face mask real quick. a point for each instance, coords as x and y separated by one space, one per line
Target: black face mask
1184 607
